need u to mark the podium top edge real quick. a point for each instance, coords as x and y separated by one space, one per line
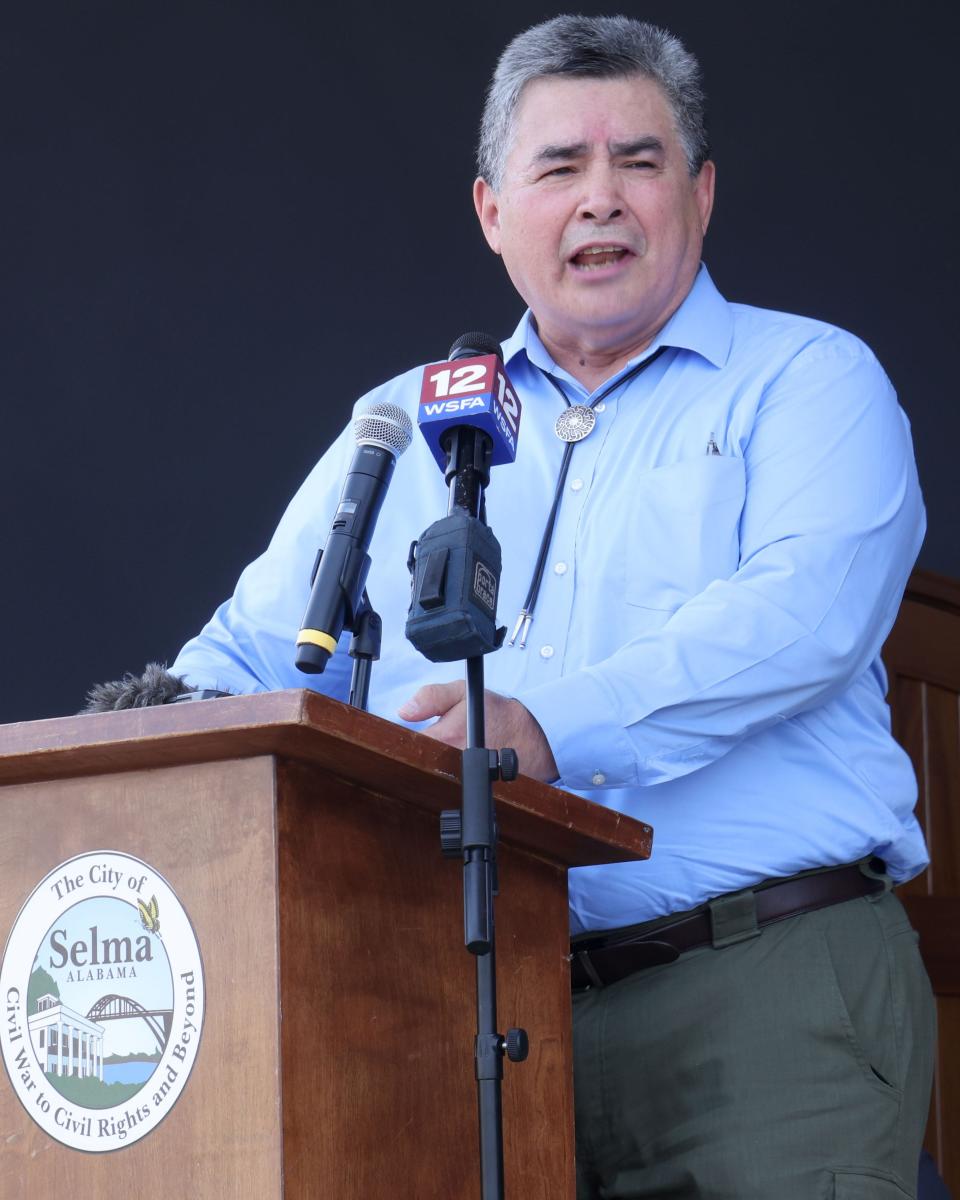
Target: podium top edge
305 726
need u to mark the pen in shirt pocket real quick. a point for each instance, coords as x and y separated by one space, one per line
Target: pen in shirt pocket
712 447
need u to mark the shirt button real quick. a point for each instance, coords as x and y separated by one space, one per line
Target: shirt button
576 485
601 407
546 652
560 568
598 778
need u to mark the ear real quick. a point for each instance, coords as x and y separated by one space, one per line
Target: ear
703 188
487 204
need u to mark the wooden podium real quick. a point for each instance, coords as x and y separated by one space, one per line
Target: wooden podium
301 837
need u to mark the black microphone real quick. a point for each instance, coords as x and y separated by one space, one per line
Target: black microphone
383 432
470 417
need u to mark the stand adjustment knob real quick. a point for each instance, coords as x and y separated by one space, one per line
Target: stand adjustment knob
451 843
509 764
517 1044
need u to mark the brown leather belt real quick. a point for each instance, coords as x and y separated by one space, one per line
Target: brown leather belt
607 958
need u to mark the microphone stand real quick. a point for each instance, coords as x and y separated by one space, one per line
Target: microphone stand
474 838
470 834
366 628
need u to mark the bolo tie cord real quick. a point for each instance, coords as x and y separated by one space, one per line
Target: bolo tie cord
524 620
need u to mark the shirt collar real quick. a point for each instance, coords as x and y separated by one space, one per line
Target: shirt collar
703 324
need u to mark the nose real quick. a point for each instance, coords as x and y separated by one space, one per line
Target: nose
600 213
601 201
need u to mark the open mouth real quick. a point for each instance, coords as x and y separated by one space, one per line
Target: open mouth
593 257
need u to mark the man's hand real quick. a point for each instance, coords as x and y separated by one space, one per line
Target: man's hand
507 723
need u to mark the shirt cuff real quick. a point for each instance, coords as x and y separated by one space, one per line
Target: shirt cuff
583 730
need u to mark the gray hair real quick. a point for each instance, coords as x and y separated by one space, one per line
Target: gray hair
600 48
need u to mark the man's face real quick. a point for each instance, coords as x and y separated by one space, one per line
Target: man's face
598 221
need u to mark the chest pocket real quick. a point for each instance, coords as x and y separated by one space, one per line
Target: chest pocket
683 529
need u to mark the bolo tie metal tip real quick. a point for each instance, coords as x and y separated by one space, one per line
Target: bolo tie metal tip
523 623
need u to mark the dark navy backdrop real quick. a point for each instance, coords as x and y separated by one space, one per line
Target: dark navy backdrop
222 222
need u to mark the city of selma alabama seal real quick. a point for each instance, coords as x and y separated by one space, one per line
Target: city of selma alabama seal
102 993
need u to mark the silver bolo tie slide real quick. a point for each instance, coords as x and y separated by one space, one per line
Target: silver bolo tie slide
575 423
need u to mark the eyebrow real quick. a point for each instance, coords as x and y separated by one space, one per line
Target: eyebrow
641 145
550 153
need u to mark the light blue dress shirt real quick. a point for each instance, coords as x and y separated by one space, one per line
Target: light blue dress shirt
704 653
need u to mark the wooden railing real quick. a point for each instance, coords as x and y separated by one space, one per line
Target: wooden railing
922 656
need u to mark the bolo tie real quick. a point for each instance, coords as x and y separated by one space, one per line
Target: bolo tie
574 424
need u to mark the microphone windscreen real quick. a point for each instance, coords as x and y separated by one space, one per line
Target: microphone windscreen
475 345
155 686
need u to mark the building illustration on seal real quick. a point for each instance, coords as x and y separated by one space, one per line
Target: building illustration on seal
65 1042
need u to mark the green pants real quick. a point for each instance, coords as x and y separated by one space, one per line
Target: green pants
792 1066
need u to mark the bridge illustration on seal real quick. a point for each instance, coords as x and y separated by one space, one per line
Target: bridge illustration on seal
68 1043
121 1008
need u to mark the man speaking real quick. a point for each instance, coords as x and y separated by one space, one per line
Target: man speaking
730 540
